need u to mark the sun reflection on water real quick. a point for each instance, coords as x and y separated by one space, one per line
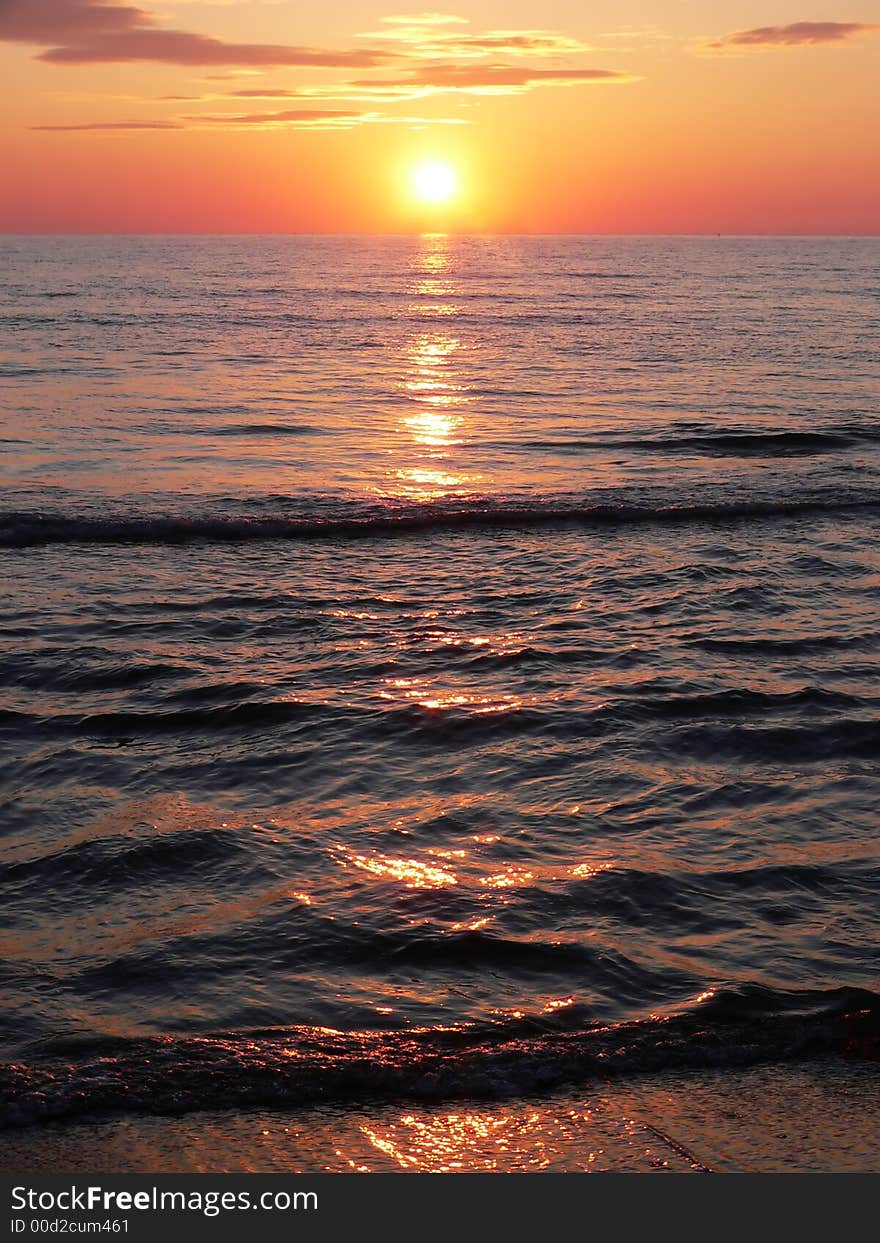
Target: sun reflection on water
430 693
433 255
411 872
427 466
443 869
432 385
444 1143
521 1138
509 878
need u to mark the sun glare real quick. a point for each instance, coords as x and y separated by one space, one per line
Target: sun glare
434 182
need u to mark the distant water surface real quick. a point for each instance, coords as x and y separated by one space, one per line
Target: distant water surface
433 665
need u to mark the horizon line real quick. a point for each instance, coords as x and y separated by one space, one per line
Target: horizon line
424 233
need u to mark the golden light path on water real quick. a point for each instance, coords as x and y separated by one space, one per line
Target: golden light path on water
470 1140
405 788
675 1124
433 385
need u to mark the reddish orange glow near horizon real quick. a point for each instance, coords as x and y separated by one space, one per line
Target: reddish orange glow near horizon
613 116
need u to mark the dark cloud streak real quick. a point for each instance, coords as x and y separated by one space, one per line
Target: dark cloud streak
108 125
81 32
486 77
798 34
296 116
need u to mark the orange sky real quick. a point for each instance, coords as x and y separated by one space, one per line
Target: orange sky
279 115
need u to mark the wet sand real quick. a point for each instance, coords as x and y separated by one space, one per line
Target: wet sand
821 1116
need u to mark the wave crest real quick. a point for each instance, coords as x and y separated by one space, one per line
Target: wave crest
307 1065
19 529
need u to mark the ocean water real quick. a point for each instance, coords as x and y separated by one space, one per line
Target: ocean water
433 666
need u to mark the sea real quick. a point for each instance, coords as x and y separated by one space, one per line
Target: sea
433 667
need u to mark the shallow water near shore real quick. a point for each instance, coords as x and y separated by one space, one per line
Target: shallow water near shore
818 1116
434 669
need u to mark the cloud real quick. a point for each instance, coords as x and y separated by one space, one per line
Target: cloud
429 35
176 47
423 55
440 79
82 32
798 34
510 43
48 21
108 125
268 92
313 118
347 92
444 79
291 116
485 80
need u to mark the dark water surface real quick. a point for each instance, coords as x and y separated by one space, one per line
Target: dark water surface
433 666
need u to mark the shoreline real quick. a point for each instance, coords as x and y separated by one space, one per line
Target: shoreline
820 1116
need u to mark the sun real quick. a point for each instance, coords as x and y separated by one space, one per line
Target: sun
434 182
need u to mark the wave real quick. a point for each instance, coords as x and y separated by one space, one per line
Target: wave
300 1066
814 725
248 429
117 861
23 529
786 647
43 673
733 443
